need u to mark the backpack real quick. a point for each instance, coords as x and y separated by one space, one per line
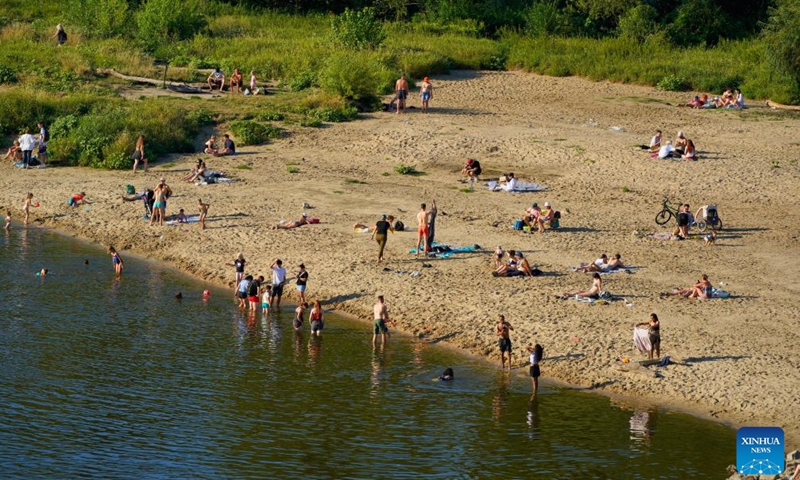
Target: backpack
399 226
252 289
46 135
539 351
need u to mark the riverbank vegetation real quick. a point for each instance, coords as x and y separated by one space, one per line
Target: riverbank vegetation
329 61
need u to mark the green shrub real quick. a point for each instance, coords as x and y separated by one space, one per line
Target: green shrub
350 76
270 117
292 169
7 75
201 117
62 126
358 30
698 22
639 23
673 83
303 80
162 22
404 169
310 122
544 18
335 115
782 39
100 18
248 132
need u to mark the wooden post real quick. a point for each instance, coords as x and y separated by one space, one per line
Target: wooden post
164 83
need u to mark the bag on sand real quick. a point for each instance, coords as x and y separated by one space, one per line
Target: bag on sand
517 224
399 226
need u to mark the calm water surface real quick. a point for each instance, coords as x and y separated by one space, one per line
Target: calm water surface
102 378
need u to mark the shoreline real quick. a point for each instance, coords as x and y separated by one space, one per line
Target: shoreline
741 348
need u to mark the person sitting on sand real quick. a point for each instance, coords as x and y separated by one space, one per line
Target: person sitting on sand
701 289
511 183
531 217
508 269
599 265
666 150
616 263
216 79
294 224
689 153
211 146
655 142
680 143
545 216
228 147
182 218
197 173
236 80
498 257
739 102
685 219
523 265
14 152
594 292
472 169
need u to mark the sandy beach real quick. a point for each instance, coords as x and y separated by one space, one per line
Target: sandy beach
742 351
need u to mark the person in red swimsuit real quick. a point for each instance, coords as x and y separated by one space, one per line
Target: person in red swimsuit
423 228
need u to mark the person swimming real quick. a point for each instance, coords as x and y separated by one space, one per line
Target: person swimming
447 375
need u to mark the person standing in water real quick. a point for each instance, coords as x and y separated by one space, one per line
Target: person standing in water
536 358
8 220
298 316
316 319
381 319
119 265
425 93
26 207
503 329
278 280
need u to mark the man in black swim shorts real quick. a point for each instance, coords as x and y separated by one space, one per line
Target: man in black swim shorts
401 90
502 330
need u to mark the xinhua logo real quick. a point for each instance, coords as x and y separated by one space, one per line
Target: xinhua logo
759 450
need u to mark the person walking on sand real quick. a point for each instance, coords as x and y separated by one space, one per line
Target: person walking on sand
316 319
138 154
60 35
503 329
536 357
423 220
119 265
302 280
425 93
203 207
401 90
26 207
380 233
238 263
278 280
654 332
381 320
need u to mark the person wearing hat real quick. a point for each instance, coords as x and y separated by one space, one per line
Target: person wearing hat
380 233
425 93
472 169
295 223
531 217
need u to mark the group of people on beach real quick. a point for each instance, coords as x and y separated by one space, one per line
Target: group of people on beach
682 147
216 80
729 99
29 150
401 89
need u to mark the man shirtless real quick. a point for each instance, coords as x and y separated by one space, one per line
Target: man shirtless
401 90
423 228
502 329
381 319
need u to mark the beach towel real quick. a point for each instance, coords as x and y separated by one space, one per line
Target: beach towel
663 236
522 187
175 223
604 298
717 293
443 250
641 339
609 272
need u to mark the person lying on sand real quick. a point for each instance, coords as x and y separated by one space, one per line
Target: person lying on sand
600 265
616 262
696 102
293 224
701 289
594 292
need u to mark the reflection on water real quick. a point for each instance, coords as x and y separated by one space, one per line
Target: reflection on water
106 378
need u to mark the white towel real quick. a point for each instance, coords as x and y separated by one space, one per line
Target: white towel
641 338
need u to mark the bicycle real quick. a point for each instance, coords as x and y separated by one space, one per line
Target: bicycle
666 214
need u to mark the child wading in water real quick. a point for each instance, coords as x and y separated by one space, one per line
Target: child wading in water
26 207
8 220
119 265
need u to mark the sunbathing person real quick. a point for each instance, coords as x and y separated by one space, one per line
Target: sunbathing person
236 80
14 152
599 265
689 152
511 183
523 265
696 102
504 270
616 263
293 224
210 146
198 171
701 289
594 292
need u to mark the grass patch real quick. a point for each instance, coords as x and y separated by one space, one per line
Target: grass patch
625 190
167 165
355 181
243 166
559 139
338 192
292 169
385 174
404 169
466 190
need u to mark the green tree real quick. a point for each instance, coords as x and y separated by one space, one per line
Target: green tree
544 18
358 30
698 22
639 23
161 22
100 18
782 38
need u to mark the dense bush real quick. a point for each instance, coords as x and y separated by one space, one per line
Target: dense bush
782 36
7 75
248 132
335 115
639 23
161 22
672 83
350 76
100 18
358 30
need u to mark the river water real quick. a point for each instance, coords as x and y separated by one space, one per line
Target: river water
106 378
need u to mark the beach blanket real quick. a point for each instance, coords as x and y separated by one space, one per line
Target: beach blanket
522 187
443 250
609 272
175 223
603 299
663 236
717 293
641 339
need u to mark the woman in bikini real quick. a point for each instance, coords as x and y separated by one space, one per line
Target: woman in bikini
594 292
159 205
506 269
701 289
316 319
